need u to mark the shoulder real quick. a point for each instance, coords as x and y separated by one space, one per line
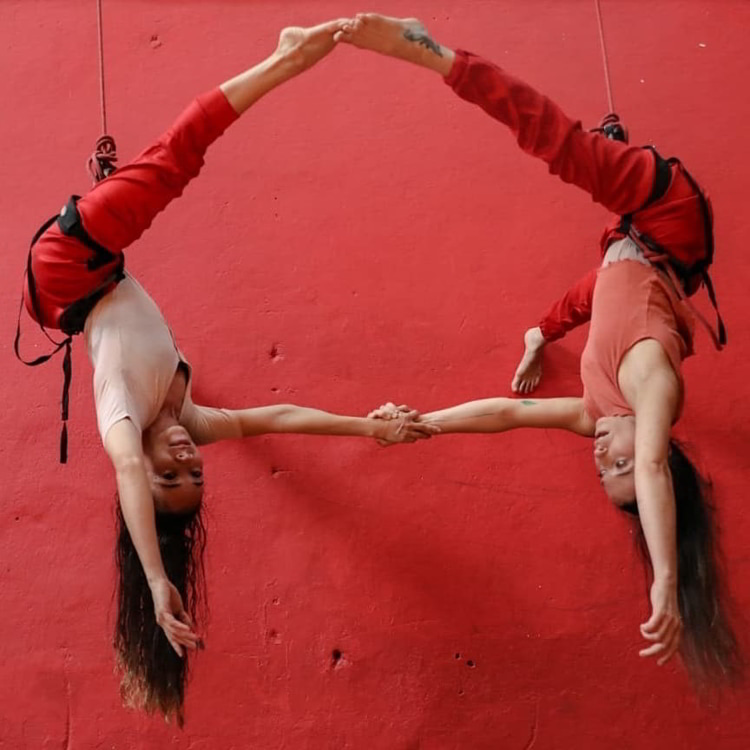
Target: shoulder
208 424
646 371
122 441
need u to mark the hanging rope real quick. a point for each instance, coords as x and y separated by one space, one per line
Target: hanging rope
608 82
102 98
610 124
101 163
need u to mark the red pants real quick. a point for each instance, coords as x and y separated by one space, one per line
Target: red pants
120 208
617 175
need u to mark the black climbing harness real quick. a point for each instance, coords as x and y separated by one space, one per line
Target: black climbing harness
73 318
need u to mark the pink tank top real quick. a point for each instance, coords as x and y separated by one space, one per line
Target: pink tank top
632 302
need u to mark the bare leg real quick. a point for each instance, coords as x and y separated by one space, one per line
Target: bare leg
529 370
404 38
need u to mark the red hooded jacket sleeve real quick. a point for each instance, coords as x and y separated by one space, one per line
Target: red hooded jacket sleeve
571 310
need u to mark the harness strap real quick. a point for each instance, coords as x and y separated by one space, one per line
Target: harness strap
664 262
659 256
72 226
660 185
67 358
708 225
72 319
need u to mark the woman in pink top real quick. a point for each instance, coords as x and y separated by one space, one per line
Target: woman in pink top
148 423
640 332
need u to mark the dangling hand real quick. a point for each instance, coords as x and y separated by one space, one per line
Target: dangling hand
172 616
664 627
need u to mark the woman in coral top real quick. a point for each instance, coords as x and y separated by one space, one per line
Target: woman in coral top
641 330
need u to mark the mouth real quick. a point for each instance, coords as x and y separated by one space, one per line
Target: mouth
181 443
178 437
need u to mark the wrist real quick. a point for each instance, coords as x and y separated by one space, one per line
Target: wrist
377 428
666 577
155 578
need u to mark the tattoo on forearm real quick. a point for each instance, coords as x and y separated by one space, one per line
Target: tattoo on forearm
526 402
420 36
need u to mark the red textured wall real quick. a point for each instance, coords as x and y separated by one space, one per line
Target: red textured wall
387 241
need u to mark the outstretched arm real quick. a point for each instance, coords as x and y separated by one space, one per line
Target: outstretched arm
287 418
209 425
502 414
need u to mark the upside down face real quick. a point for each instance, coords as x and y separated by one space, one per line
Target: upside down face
175 470
614 456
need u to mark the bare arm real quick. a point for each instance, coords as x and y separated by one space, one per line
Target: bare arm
655 408
652 388
123 445
501 414
212 425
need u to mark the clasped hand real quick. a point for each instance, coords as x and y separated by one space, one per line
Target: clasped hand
401 425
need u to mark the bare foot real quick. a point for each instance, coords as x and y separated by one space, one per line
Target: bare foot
404 38
529 371
306 46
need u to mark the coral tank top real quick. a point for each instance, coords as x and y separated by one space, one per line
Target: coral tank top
632 301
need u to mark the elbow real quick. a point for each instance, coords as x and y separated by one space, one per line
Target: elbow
128 464
652 473
652 466
280 417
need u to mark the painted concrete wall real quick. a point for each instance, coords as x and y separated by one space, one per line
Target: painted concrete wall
365 235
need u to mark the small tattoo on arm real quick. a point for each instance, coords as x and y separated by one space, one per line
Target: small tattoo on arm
420 36
526 402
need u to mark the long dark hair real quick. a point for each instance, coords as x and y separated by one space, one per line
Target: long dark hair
153 676
710 649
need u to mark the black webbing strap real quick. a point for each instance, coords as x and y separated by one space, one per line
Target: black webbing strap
67 359
72 226
74 316
662 179
701 266
660 185
722 330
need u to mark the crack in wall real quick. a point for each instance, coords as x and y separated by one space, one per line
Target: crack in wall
67 743
534 728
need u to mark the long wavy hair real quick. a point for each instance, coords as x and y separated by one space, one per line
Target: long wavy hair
153 676
710 648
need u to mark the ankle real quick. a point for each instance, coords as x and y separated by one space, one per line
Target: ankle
534 339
